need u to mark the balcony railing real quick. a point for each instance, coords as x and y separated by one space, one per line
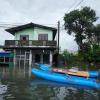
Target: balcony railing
19 43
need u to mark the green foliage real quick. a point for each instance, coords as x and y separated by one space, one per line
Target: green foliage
67 57
80 23
96 34
96 53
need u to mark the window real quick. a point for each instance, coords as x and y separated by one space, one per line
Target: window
24 37
43 37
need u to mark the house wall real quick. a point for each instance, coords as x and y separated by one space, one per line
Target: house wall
42 31
29 32
33 33
30 57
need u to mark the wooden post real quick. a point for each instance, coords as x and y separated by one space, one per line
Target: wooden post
41 58
19 59
33 56
4 60
30 58
50 57
14 59
30 62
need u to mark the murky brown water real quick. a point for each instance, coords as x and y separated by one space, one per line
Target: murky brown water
21 85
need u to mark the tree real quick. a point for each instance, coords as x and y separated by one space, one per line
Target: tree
80 23
96 34
66 56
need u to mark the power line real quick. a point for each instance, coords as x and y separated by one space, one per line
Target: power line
74 7
7 25
78 4
71 6
69 9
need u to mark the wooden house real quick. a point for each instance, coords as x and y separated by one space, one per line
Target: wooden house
33 43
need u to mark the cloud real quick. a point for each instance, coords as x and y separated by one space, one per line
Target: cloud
67 42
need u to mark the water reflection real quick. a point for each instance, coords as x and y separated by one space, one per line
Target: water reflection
21 85
3 89
57 91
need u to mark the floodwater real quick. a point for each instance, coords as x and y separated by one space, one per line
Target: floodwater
17 83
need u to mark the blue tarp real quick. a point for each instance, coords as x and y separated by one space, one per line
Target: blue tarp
5 54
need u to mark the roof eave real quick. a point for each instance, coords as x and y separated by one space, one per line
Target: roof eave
18 28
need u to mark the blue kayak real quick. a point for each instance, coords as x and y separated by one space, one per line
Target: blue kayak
57 84
47 67
65 78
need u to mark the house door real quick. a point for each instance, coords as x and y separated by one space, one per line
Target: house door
46 58
37 58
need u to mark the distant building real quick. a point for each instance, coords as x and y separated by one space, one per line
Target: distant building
33 43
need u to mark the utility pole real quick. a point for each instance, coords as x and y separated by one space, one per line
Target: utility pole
58 43
58 34
56 55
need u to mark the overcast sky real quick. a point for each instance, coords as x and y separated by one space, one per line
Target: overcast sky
46 12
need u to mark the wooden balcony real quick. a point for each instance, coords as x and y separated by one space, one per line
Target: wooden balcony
30 43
